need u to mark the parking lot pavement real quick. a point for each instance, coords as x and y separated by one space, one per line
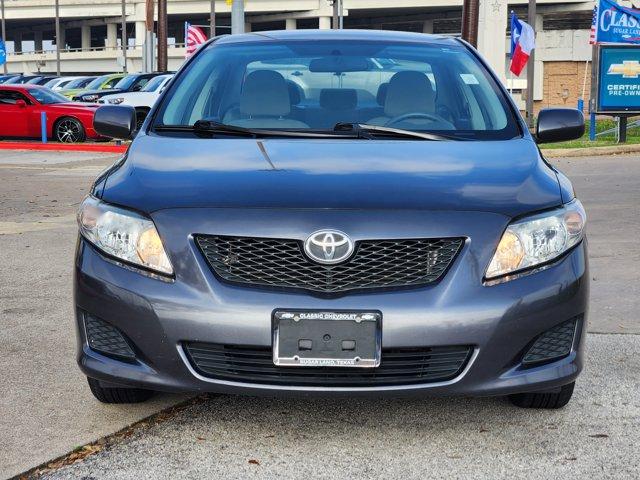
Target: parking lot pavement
595 436
47 409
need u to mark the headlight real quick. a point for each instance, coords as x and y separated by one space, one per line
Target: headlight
89 98
116 101
538 239
123 234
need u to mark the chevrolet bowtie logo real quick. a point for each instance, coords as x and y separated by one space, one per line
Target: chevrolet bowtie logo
628 69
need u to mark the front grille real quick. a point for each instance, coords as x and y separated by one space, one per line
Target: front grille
106 339
278 263
552 344
399 366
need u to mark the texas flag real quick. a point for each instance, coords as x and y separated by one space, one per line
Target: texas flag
523 40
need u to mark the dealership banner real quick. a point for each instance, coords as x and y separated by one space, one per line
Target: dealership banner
616 24
619 79
3 53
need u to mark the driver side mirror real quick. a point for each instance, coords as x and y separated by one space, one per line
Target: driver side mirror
115 121
21 103
559 125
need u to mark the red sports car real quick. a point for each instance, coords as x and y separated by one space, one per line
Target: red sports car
20 114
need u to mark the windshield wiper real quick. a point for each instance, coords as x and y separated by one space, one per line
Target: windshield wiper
210 127
363 130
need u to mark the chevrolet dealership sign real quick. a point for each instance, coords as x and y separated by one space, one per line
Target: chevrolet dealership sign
618 84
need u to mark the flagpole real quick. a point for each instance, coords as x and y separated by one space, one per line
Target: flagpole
531 65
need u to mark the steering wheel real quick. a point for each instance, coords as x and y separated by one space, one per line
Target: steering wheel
407 116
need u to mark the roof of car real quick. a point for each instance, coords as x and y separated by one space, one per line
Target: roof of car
23 86
351 35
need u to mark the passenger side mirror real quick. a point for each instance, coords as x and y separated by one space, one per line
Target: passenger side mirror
559 125
21 103
115 121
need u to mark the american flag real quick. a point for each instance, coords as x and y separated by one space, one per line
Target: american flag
594 27
194 37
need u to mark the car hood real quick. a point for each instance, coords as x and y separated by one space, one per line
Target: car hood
106 91
506 177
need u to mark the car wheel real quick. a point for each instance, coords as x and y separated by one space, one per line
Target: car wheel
546 400
118 395
69 130
141 114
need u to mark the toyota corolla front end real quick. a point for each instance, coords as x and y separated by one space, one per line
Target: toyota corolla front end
333 213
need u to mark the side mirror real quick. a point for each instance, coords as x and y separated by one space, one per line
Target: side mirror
21 103
559 125
115 121
136 88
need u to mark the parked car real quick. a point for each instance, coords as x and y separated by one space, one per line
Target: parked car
5 78
99 83
131 83
77 84
22 79
143 100
20 114
41 80
58 83
385 226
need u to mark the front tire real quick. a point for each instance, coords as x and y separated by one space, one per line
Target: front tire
69 130
117 394
544 400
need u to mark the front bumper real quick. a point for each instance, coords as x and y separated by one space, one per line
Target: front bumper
500 321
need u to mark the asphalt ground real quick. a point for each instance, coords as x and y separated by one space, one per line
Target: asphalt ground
47 409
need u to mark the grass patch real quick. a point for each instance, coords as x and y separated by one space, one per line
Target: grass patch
633 137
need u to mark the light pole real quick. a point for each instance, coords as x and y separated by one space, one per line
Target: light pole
4 33
212 20
237 16
123 36
57 37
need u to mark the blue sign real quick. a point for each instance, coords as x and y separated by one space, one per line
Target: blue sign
619 79
3 53
617 24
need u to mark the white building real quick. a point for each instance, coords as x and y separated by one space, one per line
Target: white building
91 32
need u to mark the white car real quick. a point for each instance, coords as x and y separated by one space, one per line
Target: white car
59 83
142 100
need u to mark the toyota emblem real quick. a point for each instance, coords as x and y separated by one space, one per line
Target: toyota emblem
328 246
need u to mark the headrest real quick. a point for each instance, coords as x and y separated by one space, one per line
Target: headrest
296 93
409 92
338 98
382 93
265 93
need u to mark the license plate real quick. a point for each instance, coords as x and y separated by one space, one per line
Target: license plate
304 338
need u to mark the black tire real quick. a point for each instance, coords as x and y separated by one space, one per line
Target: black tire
141 115
69 130
118 395
546 400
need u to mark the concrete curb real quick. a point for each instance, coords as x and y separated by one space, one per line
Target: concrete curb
590 151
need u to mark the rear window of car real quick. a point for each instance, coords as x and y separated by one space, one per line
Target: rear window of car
304 85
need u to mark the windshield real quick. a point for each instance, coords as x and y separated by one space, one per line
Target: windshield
313 85
47 97
79 83
155 83
102 82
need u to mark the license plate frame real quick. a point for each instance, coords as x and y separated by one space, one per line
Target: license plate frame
362 327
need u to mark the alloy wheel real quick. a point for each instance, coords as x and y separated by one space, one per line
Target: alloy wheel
69 131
